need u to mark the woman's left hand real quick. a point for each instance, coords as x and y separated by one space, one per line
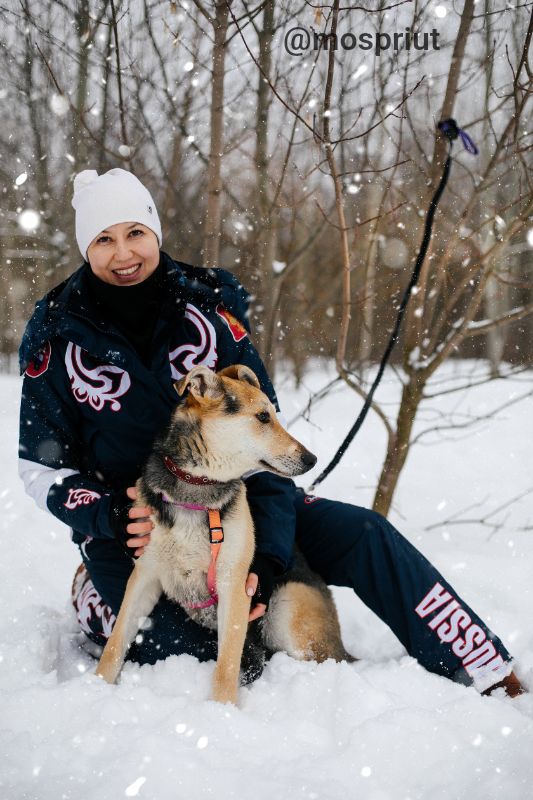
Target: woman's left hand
251 588
260 583
143 525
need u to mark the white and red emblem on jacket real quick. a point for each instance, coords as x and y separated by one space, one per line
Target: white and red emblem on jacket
81 497
237 329
202 352
40 361
98 385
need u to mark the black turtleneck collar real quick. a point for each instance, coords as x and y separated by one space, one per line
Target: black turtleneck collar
132 309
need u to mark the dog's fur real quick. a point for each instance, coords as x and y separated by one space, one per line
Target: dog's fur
225 428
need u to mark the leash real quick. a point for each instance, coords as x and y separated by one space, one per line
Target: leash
451 131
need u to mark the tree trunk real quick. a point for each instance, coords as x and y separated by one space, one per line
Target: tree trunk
456 65
346 305
398 446
106 73
263 254
496 303
495 299
79 147
211 249
368 307
495 295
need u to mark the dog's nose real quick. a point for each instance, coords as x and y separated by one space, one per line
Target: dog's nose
308 459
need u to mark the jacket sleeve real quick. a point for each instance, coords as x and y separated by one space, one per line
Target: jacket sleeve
271 497
271 500
50 464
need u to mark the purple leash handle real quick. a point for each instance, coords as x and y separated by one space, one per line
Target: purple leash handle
468 143
452 131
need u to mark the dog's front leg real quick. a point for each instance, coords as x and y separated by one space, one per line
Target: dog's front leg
233 611
142 593
233 602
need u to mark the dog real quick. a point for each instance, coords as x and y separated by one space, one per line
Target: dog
202 543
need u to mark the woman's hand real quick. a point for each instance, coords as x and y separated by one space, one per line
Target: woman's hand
251 588
260 583
143 525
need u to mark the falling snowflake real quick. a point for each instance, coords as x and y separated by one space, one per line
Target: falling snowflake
133 788
59 104
29 220
359 71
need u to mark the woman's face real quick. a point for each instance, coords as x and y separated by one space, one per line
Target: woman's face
124 254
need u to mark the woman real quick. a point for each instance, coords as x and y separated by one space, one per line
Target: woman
100 356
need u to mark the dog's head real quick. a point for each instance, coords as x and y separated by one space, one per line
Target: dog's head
238 425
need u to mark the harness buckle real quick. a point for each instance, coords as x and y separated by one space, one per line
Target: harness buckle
212 530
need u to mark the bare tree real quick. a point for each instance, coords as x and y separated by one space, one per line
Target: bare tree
219 24
435 330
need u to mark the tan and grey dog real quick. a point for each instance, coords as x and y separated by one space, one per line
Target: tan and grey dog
224 428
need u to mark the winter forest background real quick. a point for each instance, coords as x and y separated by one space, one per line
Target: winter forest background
308 175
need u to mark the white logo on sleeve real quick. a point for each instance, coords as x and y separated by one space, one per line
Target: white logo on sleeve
96 386
81 497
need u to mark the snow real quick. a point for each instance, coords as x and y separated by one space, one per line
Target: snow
380 729
29 220
59 104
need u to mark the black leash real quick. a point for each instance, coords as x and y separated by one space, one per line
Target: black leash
451 130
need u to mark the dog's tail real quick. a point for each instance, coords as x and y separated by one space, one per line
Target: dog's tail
349 658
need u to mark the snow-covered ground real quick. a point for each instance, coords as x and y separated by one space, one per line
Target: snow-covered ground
380 729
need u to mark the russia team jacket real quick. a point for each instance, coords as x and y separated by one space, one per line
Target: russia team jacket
90 408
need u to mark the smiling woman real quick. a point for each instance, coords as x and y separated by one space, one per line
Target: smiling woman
101 355
124 254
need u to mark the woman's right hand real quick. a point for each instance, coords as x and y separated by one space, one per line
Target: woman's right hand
142 527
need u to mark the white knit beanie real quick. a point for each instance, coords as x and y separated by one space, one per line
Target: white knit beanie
104 200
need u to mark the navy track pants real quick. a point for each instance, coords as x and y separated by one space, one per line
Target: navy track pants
347 546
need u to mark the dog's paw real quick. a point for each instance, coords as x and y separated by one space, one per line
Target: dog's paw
224 697
224 691
105 677
108 670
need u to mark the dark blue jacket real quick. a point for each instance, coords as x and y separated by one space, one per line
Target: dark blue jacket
90 408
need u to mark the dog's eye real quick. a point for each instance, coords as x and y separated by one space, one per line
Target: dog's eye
263 416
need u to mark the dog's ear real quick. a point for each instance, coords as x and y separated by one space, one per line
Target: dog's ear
201 383
181 385
238 372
